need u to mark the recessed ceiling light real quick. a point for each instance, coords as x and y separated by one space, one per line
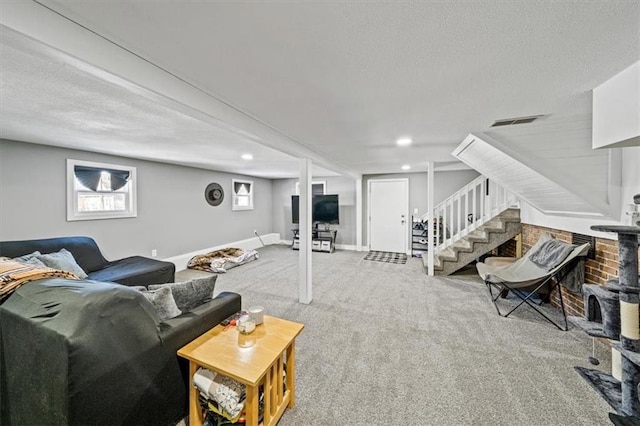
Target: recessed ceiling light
406 167
247 157
404 141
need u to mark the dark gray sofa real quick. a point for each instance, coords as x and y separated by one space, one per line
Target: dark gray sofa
86 352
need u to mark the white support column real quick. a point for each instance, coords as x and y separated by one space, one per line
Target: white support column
430 217
305 285
359 214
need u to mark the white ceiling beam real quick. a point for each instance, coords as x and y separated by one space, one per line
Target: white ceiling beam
107 60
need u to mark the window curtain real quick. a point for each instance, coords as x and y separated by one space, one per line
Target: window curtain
90 177
242 188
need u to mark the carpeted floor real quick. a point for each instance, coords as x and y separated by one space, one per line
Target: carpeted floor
384 344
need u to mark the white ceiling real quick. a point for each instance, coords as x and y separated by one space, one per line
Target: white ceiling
49 98
335 81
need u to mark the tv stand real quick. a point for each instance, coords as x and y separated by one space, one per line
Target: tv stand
320 240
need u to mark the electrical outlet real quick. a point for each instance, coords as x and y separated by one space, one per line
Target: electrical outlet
154 253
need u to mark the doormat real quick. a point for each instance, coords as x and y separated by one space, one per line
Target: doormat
385 256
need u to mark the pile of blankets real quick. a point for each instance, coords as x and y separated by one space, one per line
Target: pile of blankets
220 394
220 261
13 274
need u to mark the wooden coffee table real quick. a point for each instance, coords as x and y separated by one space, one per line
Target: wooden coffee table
252 359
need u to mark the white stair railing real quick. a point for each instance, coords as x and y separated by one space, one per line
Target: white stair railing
466 209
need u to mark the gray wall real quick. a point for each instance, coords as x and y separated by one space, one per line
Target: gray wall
173 216
445 183
283 189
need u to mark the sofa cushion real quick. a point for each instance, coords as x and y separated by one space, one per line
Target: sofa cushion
163 301
136 270
177 332
64 261
192 293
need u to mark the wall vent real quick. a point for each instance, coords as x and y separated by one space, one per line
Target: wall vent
518 120
579 239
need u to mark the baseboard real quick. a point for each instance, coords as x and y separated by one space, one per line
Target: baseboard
351 247
250 243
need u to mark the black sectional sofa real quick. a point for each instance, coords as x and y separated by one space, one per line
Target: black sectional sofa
88 351
134 270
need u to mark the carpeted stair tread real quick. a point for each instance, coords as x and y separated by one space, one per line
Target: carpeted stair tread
478 236
494 225
463 245
448 254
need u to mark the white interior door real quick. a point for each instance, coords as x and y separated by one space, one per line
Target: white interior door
388 215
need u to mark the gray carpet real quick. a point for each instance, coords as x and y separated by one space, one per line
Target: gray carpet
384 344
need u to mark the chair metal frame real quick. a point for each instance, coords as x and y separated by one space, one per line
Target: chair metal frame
552 281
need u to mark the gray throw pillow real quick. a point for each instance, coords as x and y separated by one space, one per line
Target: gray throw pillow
64 261
31 259
164 303
192 293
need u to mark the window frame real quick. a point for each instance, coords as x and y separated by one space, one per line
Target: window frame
235 196
319 182
72 193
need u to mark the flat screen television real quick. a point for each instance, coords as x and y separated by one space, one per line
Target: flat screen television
295 209
325 209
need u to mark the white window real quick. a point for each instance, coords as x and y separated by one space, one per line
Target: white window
317 188
242 192
100 191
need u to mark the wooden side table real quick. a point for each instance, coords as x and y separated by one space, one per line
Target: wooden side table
252 359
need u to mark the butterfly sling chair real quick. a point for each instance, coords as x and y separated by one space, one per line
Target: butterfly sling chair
544 266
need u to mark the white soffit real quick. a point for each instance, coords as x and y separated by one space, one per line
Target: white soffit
616 110
559 147
551 190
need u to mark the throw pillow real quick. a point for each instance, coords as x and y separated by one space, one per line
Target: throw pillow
31 259
164 303
192 293
35 262
64 261
551 254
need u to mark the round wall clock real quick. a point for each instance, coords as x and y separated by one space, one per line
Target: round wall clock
214 194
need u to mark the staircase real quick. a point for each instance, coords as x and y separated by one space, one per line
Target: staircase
475 220
482 240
